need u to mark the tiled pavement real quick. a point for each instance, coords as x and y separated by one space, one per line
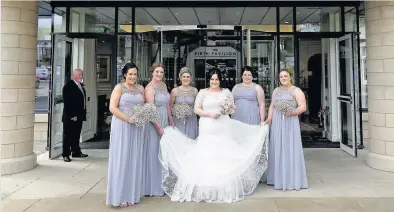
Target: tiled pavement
338 182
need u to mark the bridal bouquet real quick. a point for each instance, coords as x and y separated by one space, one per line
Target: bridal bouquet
227 106
284 106
182 111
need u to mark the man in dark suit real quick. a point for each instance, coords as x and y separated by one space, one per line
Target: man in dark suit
74 114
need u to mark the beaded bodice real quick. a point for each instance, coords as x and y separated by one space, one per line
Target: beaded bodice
162 97
245 93
130 97
187 97
284 99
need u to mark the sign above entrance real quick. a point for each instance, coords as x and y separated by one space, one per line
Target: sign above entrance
218 52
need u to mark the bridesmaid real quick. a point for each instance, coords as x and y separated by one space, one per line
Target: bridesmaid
184 96
286 165
155 92
125 151
249 100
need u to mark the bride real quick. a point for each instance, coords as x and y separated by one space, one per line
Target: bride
224 163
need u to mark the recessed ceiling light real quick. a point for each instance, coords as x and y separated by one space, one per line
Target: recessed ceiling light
183 22
130 22
176 13
235 22
286 22
237 13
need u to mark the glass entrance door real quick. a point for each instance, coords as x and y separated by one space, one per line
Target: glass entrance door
347 101
260 52
61 73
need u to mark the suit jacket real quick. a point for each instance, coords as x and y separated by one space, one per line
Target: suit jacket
74 102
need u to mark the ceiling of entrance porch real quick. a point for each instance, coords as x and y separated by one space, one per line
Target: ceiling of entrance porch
208 16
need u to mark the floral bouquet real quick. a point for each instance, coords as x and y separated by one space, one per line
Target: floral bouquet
150 113
182 111
227 106
142 114
136 115
284 106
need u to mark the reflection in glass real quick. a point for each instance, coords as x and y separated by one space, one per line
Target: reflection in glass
93 19
287 53
345 66
57 127
125 18
263 54
350 19
59 20
286 19
317 19
123 55
346 124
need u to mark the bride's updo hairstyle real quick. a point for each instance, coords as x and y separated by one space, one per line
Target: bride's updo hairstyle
217 72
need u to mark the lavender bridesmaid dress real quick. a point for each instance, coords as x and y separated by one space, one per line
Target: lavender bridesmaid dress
286 165
247 105
152 170
188 127
247 108
125 154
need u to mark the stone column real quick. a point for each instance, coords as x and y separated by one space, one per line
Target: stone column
18 62
380 67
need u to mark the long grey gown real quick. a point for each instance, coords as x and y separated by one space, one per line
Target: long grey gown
152 170
247 105
125 154
286 165
188 127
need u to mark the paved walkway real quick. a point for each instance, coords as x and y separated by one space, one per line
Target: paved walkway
338 182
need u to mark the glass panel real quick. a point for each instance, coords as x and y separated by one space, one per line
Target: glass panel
146 46
345 67
261 19
43 68
93 19
263 63
287 53
346 123
123 55
125 18
286 19
350 19
317 19
59 19
62 67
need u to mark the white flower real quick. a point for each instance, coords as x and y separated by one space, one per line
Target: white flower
182 111
227 106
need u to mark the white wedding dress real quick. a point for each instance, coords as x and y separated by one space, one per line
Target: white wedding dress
222 165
